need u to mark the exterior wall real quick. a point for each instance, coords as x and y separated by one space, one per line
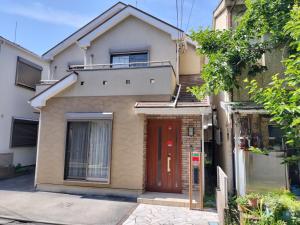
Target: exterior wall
190 62
273 61
14 103
121 38
164 82
124 37
222 18
187 142
127 163
274 175
226 147
221 21
61 62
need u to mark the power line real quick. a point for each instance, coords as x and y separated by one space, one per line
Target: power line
177 15
15 36
189 18
177 11
181 13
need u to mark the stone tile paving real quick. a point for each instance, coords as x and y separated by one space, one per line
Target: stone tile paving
168 215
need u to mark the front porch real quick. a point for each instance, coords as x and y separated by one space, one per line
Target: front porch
169 199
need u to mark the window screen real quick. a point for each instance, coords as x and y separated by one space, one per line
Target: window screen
28 74
24 133
129 60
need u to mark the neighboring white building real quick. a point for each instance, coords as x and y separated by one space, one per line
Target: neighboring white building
20 71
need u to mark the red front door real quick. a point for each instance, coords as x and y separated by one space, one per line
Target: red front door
164 155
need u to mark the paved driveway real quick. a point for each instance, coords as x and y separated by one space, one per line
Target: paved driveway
19 201
168 215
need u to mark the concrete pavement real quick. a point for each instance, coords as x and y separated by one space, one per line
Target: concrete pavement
19 201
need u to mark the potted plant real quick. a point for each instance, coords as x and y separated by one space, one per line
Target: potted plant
242 204
253 199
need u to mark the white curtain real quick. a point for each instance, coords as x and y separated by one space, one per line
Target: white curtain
78 137
99 149
122 61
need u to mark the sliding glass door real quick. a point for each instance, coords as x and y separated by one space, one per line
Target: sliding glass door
88 150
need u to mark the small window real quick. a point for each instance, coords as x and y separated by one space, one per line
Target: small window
129 60
275 136
24 133
28 74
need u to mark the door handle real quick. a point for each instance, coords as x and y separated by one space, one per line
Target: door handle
169 168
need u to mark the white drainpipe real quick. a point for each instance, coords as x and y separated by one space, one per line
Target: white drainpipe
203 156
177 61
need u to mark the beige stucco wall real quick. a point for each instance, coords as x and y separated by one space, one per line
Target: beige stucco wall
134 34
14 103
221 20
190 62
127 144
129 35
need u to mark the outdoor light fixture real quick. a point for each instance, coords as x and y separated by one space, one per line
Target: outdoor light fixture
191 131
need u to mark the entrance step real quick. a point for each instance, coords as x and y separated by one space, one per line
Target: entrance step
166 199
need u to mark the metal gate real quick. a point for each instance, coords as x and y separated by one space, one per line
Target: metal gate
222 194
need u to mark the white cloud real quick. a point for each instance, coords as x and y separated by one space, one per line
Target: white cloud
44 13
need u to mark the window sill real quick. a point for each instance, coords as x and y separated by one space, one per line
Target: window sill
85 183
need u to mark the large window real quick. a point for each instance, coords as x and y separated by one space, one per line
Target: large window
129 60
88 150
28 74
24 133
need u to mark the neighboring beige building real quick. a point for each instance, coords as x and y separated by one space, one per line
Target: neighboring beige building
241 123
21 70
115 116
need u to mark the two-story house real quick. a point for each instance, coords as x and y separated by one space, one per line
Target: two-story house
242 123
115 116
20 71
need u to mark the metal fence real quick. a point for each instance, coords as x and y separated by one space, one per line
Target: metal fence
222 194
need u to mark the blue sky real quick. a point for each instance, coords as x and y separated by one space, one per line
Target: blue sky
43 23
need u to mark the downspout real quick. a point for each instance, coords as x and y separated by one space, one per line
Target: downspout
177 62
232 118
37 149
203 157
233 148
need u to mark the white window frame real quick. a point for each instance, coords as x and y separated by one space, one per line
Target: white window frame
86 117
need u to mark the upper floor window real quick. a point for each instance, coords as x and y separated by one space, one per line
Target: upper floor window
28 74
125 60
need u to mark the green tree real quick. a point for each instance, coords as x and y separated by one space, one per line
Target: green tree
281 97
265 25
230 52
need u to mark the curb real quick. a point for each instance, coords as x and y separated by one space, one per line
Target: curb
35 221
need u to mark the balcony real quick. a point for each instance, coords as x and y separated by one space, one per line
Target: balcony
138 78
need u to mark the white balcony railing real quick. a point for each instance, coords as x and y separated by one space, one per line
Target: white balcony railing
120 65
